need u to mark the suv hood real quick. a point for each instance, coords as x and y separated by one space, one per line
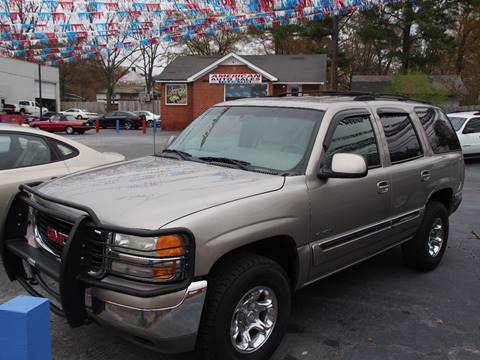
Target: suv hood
153 191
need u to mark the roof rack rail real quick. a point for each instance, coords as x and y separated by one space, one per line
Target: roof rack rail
321 93
358 95
380 96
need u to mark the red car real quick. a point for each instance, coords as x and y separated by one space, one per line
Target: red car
58 123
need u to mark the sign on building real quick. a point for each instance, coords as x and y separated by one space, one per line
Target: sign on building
235 78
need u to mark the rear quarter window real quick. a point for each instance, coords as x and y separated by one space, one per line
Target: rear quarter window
439 130
402 139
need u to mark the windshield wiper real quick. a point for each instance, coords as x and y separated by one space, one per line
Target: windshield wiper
244 165
182 154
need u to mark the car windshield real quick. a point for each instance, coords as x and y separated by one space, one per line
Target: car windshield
273 138
457 122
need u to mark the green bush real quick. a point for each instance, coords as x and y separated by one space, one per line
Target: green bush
417 85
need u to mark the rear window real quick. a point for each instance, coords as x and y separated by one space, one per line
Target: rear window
439 130
65 151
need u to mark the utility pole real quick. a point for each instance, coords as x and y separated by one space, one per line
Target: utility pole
40 89
334 56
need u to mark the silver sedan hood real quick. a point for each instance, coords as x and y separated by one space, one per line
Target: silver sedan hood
151 192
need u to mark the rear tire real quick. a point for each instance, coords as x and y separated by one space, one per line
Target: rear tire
69 130
244 290
79 117
128 125
81 132
425 251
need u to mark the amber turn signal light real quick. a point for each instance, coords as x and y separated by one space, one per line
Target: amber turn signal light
170 245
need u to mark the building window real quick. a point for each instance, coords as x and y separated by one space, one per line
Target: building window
239 91
176 94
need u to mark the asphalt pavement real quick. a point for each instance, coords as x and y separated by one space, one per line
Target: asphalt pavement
379 309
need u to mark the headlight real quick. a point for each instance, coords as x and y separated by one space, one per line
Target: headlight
158 259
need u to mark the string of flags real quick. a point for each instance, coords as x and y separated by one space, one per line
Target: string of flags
59 31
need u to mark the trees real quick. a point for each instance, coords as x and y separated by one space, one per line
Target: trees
219 44
417 85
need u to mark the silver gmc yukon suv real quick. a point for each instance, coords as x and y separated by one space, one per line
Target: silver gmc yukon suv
201 246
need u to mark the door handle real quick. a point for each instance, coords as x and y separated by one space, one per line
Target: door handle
383 187
425 174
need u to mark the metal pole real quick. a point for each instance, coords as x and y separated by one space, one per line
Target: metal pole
40 89
334 63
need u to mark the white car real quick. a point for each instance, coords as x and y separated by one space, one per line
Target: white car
80 114
150 117
467 126
29 107
30 156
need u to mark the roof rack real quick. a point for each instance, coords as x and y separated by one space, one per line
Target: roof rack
358 95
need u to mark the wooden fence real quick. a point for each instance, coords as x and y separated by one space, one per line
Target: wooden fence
91 106
135 105
450 109
123 105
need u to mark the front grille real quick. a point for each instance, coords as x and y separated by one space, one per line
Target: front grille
48 225
53 231
96 252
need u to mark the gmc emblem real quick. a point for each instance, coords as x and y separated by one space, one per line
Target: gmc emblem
56 236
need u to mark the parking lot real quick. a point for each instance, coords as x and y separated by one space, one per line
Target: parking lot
376 310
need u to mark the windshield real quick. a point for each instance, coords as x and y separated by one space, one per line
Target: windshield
457 122
263 137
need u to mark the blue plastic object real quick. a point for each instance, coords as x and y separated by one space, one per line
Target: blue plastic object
117 126
25 329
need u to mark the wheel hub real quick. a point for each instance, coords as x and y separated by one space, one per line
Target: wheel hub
436 238
254 319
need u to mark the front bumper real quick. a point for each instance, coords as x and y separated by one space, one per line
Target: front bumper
161 316
168 323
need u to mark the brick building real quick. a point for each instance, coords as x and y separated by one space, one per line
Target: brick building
191 84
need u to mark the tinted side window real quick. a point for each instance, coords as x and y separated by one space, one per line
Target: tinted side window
474 124
355 135
440 133
402 140
25 150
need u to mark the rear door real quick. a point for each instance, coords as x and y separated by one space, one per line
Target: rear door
349 217
409 169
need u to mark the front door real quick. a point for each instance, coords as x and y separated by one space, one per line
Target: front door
349 217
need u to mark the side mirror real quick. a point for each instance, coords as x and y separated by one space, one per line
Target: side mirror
345 166
468 130
171 139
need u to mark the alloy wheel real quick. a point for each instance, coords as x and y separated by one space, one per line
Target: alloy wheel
254 319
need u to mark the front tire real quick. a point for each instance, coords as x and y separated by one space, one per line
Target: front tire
247 309
425 251
128 125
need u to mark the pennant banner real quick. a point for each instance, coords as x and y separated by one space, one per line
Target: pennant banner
56 31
